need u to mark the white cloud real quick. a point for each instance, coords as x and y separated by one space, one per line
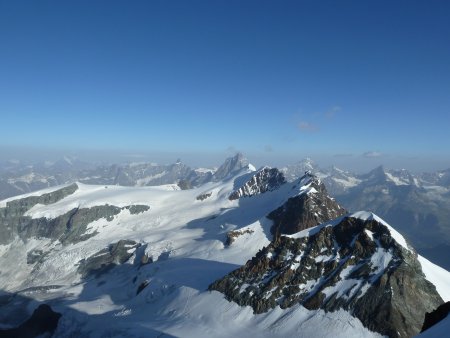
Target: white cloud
372 154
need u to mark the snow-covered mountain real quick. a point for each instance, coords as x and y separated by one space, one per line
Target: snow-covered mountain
357 263
17 178
138 261
298 169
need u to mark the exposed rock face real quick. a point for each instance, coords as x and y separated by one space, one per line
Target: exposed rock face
311 207
68 228
142 286
230 166
352 264
35 256
184 184
43 321
266 179
12 219
434 317
18 207
137 208
232 235
108 258
203 196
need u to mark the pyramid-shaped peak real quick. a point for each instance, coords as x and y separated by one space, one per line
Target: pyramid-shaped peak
232 165
307 162
377 174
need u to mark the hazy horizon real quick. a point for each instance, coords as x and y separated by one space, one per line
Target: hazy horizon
358 163
352 83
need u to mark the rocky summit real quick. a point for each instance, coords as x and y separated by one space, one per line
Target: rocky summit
356 263
312 206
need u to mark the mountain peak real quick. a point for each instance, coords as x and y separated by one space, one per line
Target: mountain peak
353 263
370 216
298 169
231 166
311 206
376 175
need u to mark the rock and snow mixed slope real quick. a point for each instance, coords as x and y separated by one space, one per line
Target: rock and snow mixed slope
357 263
310 207
137 261
265 179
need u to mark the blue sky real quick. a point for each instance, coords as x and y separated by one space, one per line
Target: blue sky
340 81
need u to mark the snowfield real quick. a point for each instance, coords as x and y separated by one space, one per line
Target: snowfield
185 236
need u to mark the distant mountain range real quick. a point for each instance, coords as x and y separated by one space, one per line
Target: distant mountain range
18 178
419 204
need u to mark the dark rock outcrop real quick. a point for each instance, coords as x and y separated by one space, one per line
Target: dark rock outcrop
232 235
106 259
265 179
20 206
43 321
310 208
351 264
434 317
34 256
203 196
142 286
137 208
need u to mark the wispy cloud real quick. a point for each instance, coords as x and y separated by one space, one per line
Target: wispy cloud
315 121
307 127
372 154
329 114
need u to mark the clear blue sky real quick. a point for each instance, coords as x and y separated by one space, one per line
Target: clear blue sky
348 80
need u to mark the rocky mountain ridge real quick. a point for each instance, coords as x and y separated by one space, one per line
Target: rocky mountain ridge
265 179
353 263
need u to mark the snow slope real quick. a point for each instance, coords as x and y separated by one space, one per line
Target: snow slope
438 276
185 236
